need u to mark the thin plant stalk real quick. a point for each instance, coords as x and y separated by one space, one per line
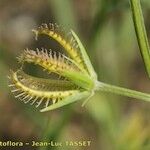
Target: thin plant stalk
122 91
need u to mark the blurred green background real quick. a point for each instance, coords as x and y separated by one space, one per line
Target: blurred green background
106 29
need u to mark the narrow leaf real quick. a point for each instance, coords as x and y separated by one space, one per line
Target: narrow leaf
68 100
85 56
141 33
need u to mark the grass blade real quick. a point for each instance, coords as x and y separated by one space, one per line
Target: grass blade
141 33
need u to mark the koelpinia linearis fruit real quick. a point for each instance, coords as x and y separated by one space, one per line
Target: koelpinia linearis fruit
77 78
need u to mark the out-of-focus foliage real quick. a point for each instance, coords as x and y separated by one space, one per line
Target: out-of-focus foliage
106 29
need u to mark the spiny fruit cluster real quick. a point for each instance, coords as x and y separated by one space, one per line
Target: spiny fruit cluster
76 73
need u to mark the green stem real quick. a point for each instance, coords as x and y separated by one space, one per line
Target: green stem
123 91
141 32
